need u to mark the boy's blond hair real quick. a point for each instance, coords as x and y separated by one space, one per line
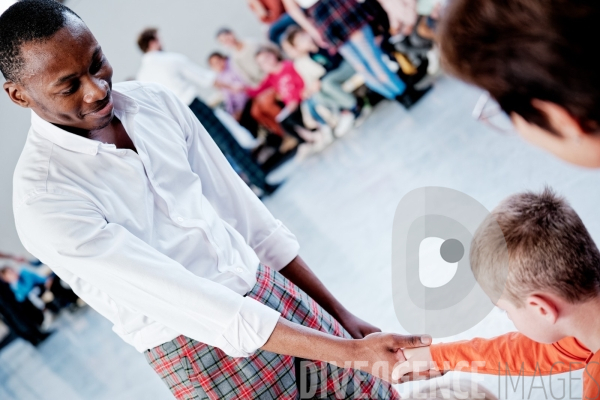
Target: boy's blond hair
549 250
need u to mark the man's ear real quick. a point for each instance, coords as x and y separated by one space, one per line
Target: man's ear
16 94
543 307
560 119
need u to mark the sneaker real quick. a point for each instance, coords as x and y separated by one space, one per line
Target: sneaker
345 124
304 151
411 96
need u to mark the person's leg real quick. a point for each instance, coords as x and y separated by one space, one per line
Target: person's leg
228 145
354 58
332 86
265 109
247 121
364 43
194 370
278 28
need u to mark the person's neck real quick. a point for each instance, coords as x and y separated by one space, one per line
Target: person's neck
584 326
239 45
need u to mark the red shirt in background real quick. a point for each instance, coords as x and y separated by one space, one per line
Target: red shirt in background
275 10
288 84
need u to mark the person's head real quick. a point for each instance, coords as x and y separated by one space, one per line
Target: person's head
537 59
268 59
300 40
217 61
227 38
148 40
9 275
53 64
553 264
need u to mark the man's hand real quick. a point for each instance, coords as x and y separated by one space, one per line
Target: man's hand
382 352
356 327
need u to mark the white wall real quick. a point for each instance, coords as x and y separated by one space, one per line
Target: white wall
186 26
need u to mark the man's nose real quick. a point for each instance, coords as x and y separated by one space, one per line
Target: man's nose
95 90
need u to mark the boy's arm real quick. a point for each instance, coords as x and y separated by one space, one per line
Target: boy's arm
511 353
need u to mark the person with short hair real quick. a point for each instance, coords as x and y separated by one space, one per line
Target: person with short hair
334 72
122 192
265 107
537 61
180 75
536 260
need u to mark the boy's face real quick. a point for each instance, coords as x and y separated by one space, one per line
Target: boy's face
531 320
303 43
268 62
217 64
10 276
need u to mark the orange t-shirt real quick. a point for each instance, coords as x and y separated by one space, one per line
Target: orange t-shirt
516 354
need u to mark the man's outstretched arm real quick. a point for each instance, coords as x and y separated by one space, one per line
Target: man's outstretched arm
376 354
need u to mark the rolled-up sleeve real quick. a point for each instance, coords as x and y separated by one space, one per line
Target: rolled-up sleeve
235 203
72 233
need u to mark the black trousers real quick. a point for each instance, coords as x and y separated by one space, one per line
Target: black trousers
240 159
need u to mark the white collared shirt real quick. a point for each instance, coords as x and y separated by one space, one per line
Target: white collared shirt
177 73
163 242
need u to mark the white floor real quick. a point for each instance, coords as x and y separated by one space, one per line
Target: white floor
341 205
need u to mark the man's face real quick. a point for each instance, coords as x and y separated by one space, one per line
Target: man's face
228 40
66 79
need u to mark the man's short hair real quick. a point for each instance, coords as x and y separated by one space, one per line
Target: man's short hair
549 250
148 35
224 31
27 21
291 33
520 50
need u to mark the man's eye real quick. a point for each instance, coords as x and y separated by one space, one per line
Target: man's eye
71 90
97 66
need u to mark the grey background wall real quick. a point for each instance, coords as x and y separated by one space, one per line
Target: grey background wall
188 26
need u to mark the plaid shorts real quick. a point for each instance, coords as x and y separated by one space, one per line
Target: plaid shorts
193 370
337 20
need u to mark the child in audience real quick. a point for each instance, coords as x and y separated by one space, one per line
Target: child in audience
331 72
289 86
551 293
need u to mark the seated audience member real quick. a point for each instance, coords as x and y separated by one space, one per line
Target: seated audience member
336 71
236 100
25 283
243 60
23 318
549 285
178 74
289 86
272 13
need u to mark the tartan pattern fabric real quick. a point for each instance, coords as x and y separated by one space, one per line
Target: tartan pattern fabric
240 159
337 20
194 371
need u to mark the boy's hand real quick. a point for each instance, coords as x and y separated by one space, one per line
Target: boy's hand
418 360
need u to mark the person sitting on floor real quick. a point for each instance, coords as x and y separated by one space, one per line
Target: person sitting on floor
328 87
289 86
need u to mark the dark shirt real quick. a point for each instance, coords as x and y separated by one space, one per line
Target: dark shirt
328 61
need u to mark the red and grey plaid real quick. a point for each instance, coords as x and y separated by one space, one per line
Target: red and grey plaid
194 370
337 20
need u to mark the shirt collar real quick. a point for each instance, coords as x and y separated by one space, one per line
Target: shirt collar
123 104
